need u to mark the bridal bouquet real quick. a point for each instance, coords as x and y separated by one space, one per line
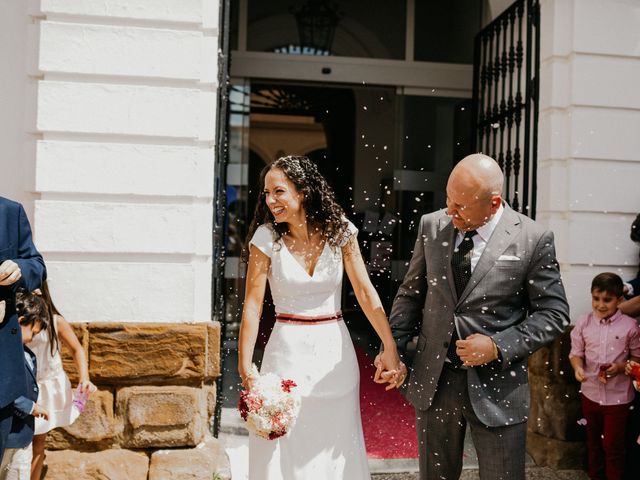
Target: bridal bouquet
271 407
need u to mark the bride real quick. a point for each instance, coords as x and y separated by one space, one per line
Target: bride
301 242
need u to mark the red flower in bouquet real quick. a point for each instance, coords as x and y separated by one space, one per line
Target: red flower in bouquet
287 385
271 406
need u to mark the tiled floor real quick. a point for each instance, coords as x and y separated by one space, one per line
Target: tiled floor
236 444
532 473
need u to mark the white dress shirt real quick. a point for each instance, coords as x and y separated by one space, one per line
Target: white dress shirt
482 238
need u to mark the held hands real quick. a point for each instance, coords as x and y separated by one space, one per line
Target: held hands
632 368
389 369
3 307
9 273
476 349
40 412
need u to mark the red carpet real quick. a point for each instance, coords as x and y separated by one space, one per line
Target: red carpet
388 420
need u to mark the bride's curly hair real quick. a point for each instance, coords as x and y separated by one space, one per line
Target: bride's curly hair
322 211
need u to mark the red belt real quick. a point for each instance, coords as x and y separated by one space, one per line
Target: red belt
302 320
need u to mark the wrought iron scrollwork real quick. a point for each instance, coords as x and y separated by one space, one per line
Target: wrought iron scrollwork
505 94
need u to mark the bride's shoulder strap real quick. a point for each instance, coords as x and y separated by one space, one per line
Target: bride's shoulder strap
263 239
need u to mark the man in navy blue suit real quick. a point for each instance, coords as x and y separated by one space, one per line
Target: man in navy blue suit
20 266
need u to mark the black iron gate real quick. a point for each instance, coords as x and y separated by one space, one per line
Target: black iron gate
219 206
505 98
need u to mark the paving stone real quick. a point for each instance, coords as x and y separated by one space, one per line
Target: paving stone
105 465
206 461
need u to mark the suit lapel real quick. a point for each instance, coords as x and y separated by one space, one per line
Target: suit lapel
448 233
502 237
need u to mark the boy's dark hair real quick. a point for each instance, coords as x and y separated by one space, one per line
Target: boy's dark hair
608 282
32 309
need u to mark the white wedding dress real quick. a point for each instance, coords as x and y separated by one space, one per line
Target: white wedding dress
326 442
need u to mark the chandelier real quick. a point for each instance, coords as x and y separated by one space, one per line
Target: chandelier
317 21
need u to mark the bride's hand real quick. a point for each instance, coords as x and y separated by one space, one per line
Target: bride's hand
389 369
246 377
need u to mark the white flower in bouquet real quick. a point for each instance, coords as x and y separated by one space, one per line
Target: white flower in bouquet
271 407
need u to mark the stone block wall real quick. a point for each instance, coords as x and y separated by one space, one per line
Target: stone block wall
156 391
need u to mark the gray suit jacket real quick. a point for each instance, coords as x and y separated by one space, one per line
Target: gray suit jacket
520 303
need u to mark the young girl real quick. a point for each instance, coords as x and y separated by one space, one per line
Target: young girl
56 395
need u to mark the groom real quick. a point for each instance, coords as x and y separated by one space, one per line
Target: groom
20 266
484 292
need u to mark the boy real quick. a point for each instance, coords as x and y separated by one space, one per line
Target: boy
16 464
601 344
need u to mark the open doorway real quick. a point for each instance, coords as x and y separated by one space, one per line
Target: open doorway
386 152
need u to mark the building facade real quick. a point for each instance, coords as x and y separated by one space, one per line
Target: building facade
109 134
109 130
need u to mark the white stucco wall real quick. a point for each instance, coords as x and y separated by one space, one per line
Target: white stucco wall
122 141
589 141
16 93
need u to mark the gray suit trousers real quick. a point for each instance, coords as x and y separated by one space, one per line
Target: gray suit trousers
441 431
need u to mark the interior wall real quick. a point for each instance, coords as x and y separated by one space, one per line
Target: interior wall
376 147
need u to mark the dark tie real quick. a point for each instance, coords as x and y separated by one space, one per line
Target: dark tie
461 267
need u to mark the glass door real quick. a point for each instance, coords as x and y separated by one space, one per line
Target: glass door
236 226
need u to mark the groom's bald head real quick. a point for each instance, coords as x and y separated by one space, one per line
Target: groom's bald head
481 172
474 191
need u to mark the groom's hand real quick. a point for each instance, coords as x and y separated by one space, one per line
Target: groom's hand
476 349
394 377
9 273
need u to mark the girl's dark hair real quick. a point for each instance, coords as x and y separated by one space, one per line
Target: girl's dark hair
54 344
32 310
608 282
320 206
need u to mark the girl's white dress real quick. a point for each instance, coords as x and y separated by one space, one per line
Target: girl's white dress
56 395
326 441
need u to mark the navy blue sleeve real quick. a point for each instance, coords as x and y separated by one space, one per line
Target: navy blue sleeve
29 259
23 407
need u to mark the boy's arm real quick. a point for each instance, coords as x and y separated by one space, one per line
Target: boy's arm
578 367
576 355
